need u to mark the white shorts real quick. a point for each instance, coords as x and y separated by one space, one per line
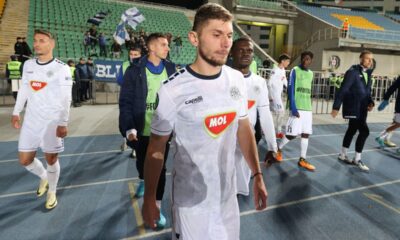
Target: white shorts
276 105
34 136
396 118
296 126
207 224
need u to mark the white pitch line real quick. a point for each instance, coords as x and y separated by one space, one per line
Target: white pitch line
67 155
245 213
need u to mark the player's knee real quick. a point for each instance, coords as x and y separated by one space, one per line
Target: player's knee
51 159
290 137
25 161
305 135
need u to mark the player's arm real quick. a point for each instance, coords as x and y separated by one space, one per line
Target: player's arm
266 121
248 147
291 94
161 128
152 170
388 93
343 90
65 84
23 95
126 105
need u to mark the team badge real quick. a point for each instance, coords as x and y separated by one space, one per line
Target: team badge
218 123
235 93
250 103
49 74
37 85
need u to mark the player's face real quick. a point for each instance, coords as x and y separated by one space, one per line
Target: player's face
214 41
242 54
160 47
367 60
306 61
42 44
134 54
285 63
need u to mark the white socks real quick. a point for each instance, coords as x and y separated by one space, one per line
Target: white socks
283 142
343 153
383 134
36 167
357 157
53 174
278 121
303 148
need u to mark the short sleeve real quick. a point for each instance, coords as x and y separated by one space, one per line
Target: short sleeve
165 113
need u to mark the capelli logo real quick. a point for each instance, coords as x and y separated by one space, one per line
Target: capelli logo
194 100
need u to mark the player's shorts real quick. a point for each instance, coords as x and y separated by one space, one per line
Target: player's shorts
194 223
35 135
276 105
296 126
396 118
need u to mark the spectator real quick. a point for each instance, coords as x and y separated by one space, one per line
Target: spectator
89 87
26 51
75 87
103 45
13 74
178 45
116 50
19 48
82 78
86 43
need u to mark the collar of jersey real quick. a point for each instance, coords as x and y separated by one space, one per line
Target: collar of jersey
155 69
247 75
203 77
45 63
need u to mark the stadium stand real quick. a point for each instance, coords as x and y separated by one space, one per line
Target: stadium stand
2 6
363 25
266 4
394 16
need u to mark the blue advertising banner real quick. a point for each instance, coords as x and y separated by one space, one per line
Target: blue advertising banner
107 70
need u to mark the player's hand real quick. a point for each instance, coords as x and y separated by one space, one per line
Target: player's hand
61 131
150 212
132 137
270 158
296 114
260 192
15 121
370 107
334 113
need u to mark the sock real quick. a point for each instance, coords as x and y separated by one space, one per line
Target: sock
158 203
303 148
283 142
343 153
53 174
384 135
357 157
388 136
36 167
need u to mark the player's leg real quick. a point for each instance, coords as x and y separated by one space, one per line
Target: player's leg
362 137
293 128
28 143
306 125
384 139
141 149
348 137
53 175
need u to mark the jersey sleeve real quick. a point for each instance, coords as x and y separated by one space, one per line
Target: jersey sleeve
263 100
165 113
65 84
23 93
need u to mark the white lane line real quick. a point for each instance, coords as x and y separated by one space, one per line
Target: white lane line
67 155
245 213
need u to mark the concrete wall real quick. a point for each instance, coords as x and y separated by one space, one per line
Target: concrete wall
386 64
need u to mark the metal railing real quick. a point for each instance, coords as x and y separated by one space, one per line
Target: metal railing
323 91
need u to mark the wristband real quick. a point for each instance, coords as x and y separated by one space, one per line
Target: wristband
255 174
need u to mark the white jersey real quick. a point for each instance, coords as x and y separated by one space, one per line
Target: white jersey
47 88
275 85
203 113
257 93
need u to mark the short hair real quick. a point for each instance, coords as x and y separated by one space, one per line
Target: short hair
306 53
241 39
138 49
283 57
154 36
70 61
18 38
45 32
89 58
82 58
14 57
365 52
210 11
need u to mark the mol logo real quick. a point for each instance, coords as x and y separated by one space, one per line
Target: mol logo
250 103
37 85
216 124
